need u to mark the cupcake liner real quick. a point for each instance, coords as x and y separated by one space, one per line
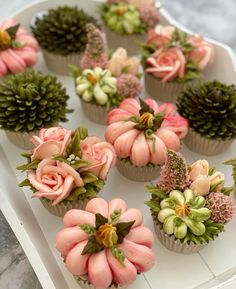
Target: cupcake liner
94 112
235 191
59 63
202 145
138 174
60 209
173 244
85 284
21 139
130 42
164 92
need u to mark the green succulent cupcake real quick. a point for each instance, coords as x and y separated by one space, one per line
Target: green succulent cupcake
232 162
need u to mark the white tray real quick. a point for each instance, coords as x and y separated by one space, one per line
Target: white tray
36 228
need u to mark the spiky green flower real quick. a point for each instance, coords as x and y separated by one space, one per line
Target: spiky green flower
62 30
210 109
31 100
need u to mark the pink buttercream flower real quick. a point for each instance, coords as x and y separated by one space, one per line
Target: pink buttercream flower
160 35
128 85
149 15
166 64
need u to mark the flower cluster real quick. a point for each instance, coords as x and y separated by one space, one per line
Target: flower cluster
67 165
171 54
194 206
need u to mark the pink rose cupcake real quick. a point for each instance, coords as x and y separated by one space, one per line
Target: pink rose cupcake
18 49
98 244
141 134
67 168
173 59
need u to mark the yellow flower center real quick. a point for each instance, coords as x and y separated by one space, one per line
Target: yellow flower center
120 11
106 235
5 38
147 119
182 210
93 79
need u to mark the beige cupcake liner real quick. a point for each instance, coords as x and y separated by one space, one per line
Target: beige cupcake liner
94 112
164 92
84 284
138 174
173 244
21 139
130 42
60 209
59 63
199 144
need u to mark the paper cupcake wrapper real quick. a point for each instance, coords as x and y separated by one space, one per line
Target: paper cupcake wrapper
60 209
95 113
21 139
59 63
138 174
173 244
84 284
202 145
235 191
130 42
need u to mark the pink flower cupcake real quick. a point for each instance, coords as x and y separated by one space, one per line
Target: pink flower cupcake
67 168
173 59
141 134
98 244
18 49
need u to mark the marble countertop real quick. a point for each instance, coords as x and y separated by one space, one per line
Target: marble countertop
211 18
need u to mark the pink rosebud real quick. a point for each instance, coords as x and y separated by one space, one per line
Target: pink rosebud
160 35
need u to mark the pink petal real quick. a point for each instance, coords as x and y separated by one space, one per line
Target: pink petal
66 141
77 178
130 105
38 186
3 67
13 62
152 104
140 154
67 187
141 235
36 141
76 217
170 139
27 40
116 204
7 24
168 108
28 54
117 114
114 130
132 215
97 205
40 167
177 124
46 150
157 149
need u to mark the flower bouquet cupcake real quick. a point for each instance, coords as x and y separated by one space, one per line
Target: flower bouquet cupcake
126 22
190 205
67 168
232 162
106 245
103 82
18 48
29 101
141 134
62 36
173 59
211 112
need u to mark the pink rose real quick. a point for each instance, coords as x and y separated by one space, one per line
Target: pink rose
160 35
100 154
54 180
203 53
167 64
51 141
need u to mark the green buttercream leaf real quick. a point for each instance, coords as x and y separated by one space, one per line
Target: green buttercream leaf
12 30
156 191
80 164
100 220
92 246
30 166
17 44
214 187
60 158
83 132
122 229
25 183
76 194
118 254
211 171
114 217
155 206
99 184
74 145
88 229
227 190
89 177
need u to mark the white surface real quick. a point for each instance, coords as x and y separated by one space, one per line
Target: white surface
36 228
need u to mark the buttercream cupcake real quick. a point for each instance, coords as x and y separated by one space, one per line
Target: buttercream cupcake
141 134
211 111
98 244
18 48
62 37
103 82
190 205
172 60
232 162
29 101
126 22
67 168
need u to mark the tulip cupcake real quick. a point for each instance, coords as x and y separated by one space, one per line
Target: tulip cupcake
103 82
190 205
141 134
232 162
126 22
98 244
211 111
18 48
67 168
172 60
61 35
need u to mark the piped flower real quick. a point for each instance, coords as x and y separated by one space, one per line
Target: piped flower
128 85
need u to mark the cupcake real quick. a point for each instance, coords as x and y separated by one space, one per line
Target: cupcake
211 112
62 37
190 205
18 48
232 162
103 82
172 60
67 168
126 22
141 134
29 101
98 244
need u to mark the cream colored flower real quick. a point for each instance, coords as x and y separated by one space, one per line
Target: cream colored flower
200 167
201 185
217 178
